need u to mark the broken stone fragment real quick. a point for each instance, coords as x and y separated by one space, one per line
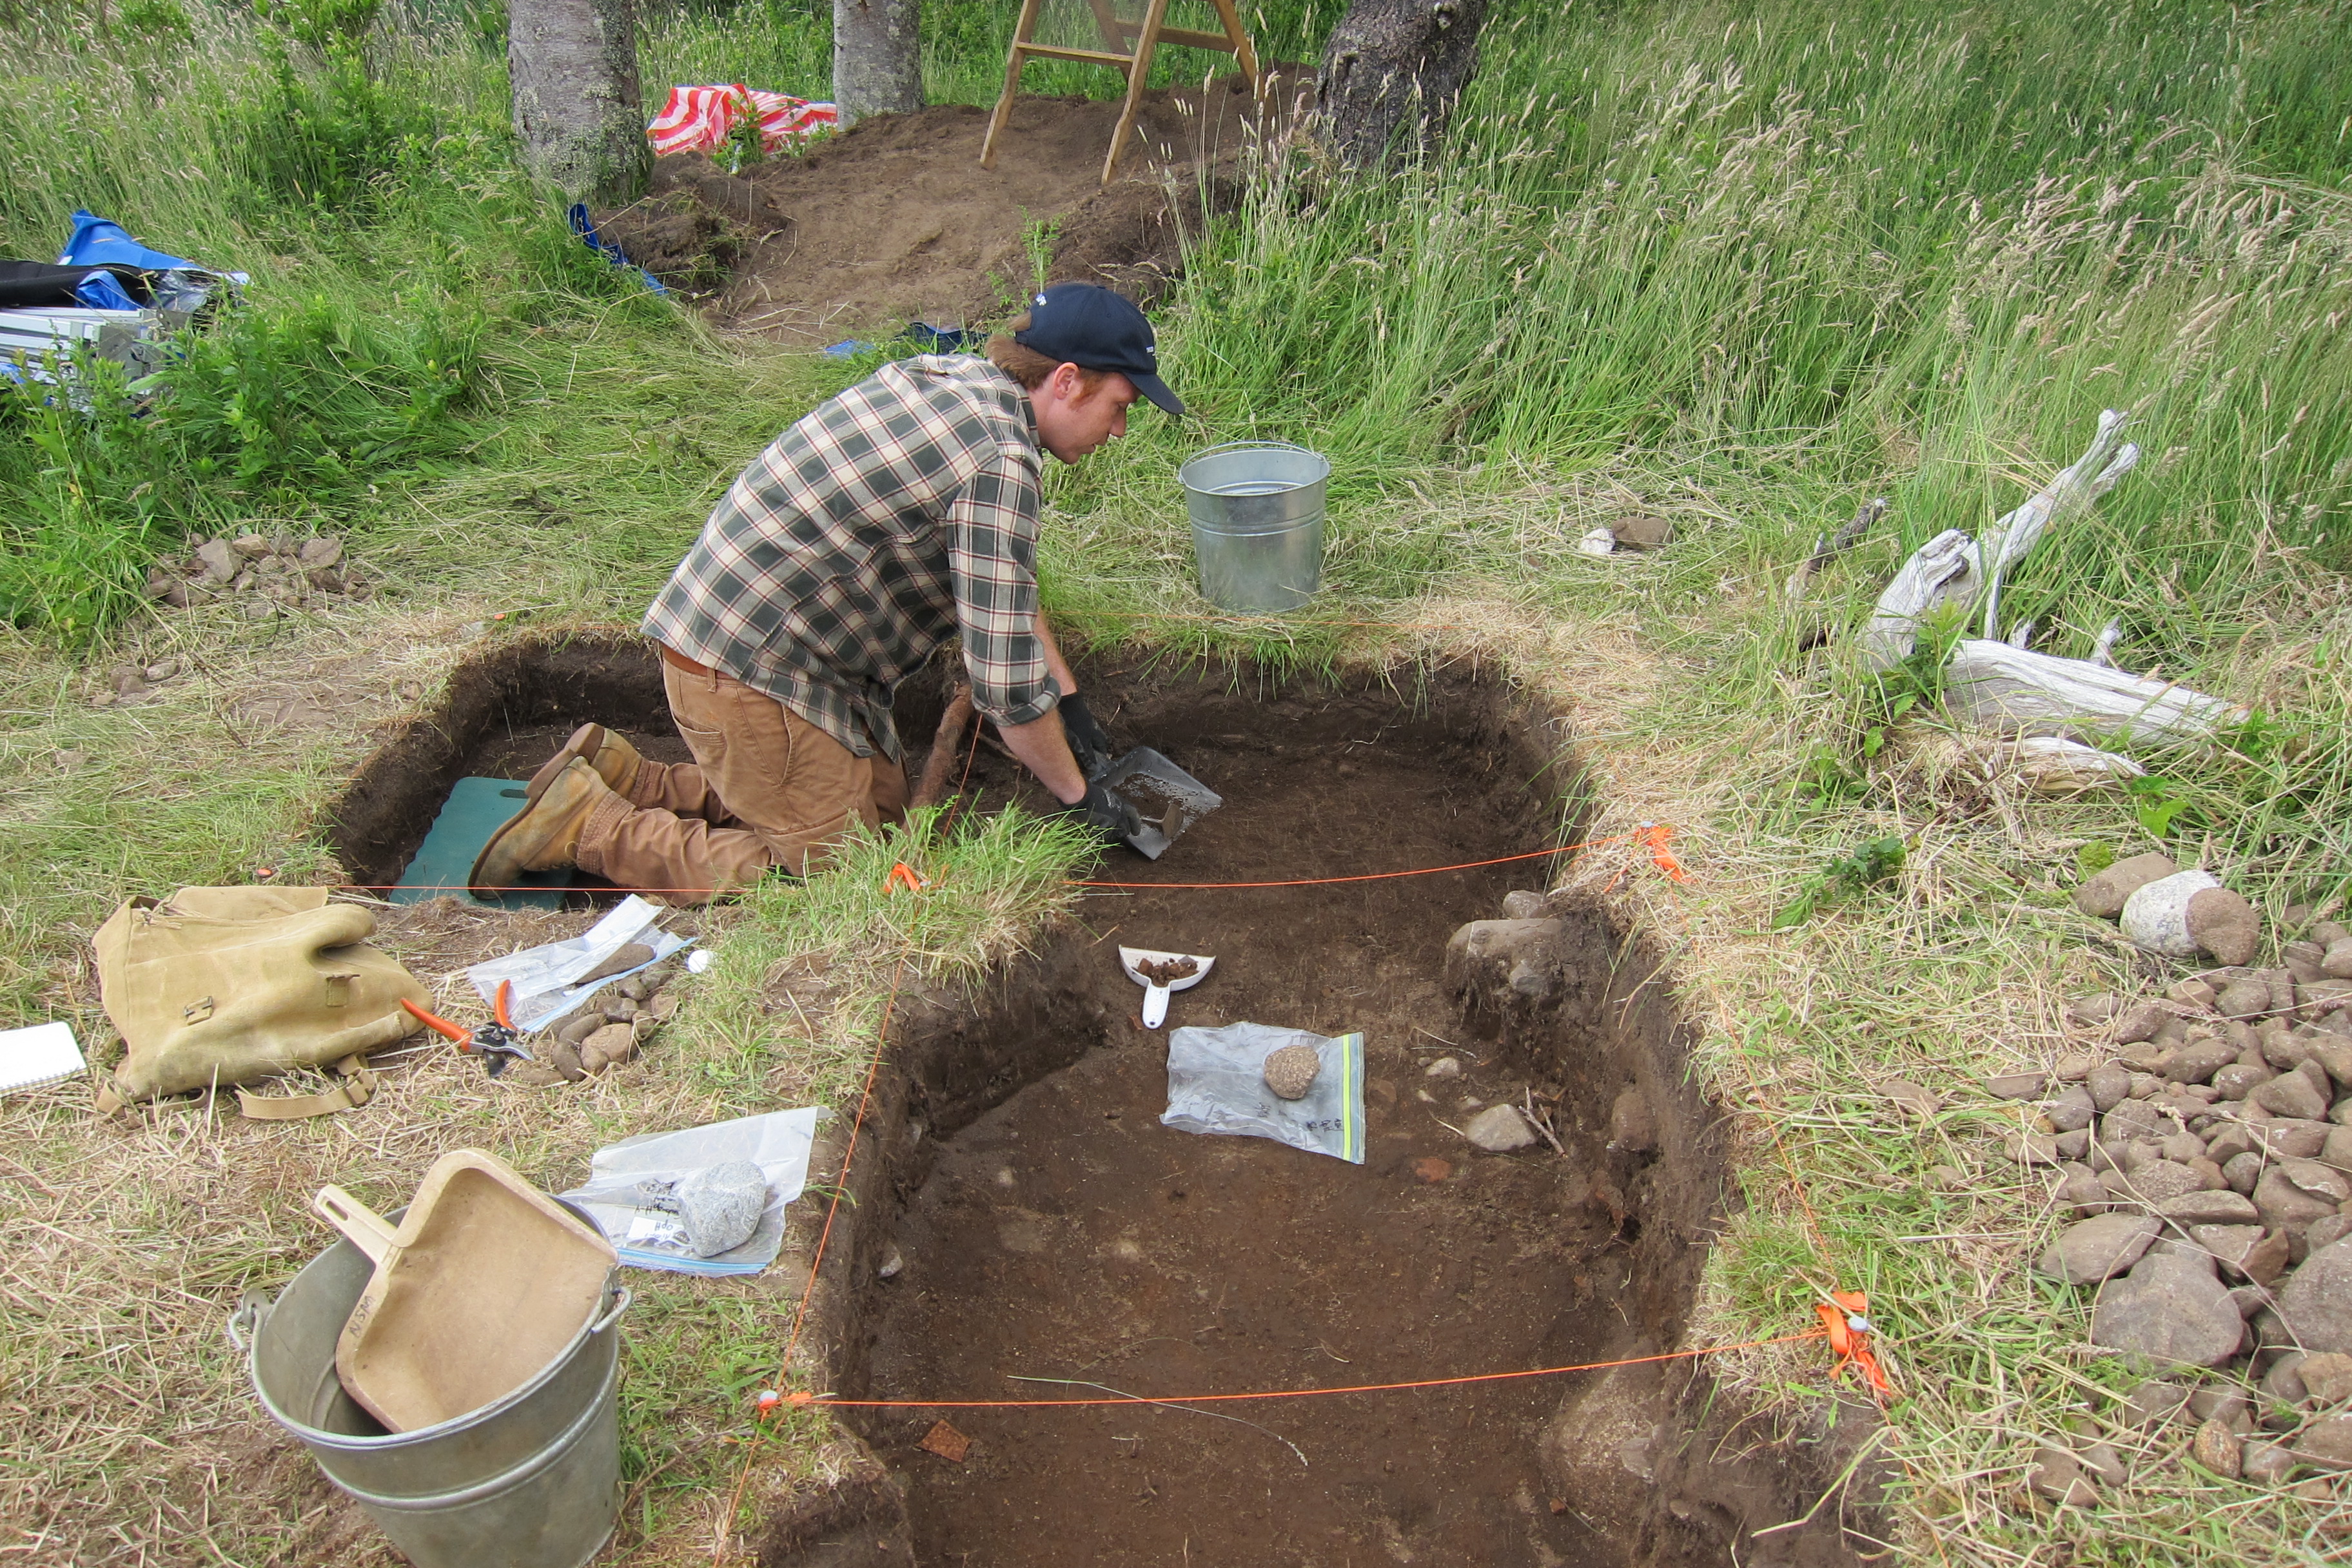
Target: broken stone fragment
2243 999
1506 963
2266 1464
2104 895
2095 1249
2080 1190
218 561
1443 1067
2108 1087
1519 904
664 1005
2154 1181
2088 1012
2016 1085
317 554
2154 1403
2072 1067
2104 1462
564 1057
2168 1307
1499 1129
252 546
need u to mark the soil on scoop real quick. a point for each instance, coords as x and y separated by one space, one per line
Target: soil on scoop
895 221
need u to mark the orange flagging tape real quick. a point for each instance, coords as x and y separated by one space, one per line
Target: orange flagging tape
767 1401
1845 1318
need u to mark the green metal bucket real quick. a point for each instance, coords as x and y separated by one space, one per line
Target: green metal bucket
531 1481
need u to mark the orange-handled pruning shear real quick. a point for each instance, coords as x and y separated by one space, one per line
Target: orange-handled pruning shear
497 1043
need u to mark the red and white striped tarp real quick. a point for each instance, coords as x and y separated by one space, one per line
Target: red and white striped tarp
700 119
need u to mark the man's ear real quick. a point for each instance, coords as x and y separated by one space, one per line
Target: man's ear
1064 382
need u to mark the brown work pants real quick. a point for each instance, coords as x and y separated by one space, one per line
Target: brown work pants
766 789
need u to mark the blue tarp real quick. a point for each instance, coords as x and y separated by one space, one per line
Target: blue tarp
97 241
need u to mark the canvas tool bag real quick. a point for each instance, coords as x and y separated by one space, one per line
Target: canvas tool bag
224 985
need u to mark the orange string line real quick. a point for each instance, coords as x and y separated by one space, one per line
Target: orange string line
1293 882
822 1400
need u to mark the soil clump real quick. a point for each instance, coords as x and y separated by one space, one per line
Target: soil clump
895 221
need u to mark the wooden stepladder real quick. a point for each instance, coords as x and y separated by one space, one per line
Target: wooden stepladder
1132 57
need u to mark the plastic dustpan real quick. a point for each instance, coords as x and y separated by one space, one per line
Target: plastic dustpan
477 808
484 1282
1169 799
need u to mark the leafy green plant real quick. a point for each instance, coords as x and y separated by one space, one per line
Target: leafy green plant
2159 804
1845 875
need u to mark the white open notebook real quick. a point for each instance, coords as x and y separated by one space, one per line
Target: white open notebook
41 1054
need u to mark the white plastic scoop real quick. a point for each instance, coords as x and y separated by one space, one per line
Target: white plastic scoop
1160 973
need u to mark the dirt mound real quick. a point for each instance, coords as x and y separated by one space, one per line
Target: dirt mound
895 220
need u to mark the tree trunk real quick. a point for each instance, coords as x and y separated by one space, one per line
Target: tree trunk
877 59
1391 73
573 67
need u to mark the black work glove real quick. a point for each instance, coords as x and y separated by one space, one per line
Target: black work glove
1112 815
1088 745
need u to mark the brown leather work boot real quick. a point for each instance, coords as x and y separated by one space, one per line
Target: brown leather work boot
614 759
545 833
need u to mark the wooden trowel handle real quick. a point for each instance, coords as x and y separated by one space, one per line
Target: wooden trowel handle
362 1224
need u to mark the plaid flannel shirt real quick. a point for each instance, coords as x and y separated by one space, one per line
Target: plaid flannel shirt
895 516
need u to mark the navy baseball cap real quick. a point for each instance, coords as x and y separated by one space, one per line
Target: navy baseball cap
1089 326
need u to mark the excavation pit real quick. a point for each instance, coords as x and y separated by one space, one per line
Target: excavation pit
1042 1224
1030 1229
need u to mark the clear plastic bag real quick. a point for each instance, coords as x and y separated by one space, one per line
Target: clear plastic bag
1216 1083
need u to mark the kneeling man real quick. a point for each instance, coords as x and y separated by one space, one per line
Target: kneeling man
900 513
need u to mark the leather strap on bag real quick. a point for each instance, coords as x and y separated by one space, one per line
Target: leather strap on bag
356 1090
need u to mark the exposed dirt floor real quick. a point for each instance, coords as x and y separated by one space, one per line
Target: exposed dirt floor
1069 1234
895 221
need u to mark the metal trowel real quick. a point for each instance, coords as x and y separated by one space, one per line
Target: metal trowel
1181 800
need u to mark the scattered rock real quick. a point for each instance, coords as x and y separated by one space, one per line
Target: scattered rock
2290 1094
2103 1461
2154 1403
1443 1067
1948 1179
2091 1251
2284 1202
2217 1449
1499 1129
2243 999
216 561
893 1264
2089 1012
2083 1191
2327 1376
2073 1067
2032 1147
2315 1303
571 1031
564 1057
1631 1127
2326 1443
2072 1110
2337 964
320 553
1290 1072
2239 1080
2267 1464
608 1047
628 956
1639 530
2156 1182
620 1010
2283 1382
2104 895
2108 1087
531 1075
2141 1022
2200 1059
2057 1476
1914 1100
1506 963
2168 1307
664 1005
2222 1207
2225 925
1522 905
2016 1085
2155 918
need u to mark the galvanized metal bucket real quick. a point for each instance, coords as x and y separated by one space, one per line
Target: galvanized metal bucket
531 1481
1257 523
